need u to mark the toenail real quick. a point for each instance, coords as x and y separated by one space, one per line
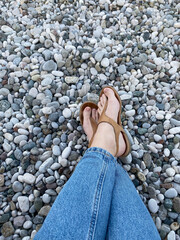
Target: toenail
88 109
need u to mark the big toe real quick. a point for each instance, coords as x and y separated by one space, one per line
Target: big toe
87 113
109 93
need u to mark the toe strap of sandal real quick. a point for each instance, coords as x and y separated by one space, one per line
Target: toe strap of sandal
117 128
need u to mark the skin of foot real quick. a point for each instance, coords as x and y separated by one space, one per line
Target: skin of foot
105 136
87 114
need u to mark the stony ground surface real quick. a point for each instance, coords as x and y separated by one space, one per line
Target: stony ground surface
57 54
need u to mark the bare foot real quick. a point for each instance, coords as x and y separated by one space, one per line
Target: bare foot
105 136
87 114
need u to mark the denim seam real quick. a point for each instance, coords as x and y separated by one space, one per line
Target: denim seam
97 200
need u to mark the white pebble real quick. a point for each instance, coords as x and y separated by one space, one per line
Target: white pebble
105 62
171 193
153 206
66 113
170 172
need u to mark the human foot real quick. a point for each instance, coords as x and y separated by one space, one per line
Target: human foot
87 126
105 135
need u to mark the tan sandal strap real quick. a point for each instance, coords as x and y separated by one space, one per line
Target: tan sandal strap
117 128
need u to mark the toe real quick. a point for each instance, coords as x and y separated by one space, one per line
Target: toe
87 113
104 99
97 116
99 105
94 113
109 93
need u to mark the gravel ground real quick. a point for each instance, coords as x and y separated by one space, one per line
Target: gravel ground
57 54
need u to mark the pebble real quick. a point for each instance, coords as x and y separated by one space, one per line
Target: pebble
56 150
7 229
122 69
105 62
1 180
153 206
71 80
66 113
99 55
171 193
171 235
17 186
66 152
176 153
130 113
23 202
45 165
50 66
170 172
29 178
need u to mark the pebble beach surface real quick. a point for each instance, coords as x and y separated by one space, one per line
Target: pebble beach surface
57 54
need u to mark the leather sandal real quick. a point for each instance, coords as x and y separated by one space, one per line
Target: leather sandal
116 126
93 122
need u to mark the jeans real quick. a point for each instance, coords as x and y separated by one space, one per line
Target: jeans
98 202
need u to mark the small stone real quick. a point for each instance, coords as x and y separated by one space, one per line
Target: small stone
7 229
122 69
44 211
46 198
23 203
7 29
105 62
29 178
171 193
47 110
4 105
1 180
70 80
38 203
176 204
93 71
63 161
56 150
33 92
171 235
50 66
46 81
166 152
4 91
141 176
45 165
170 172
18 221
27 225
153 206
174 130
177 178
85 56
168 203
120 2
98 56
130 113
66 152
17 186
48 43
176 153
67 113
147 159
175 226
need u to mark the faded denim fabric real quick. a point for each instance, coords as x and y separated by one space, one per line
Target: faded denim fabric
98 202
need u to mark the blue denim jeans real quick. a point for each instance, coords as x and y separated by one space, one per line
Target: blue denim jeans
98 202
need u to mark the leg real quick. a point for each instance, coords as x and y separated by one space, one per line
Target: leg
129 217
81 210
